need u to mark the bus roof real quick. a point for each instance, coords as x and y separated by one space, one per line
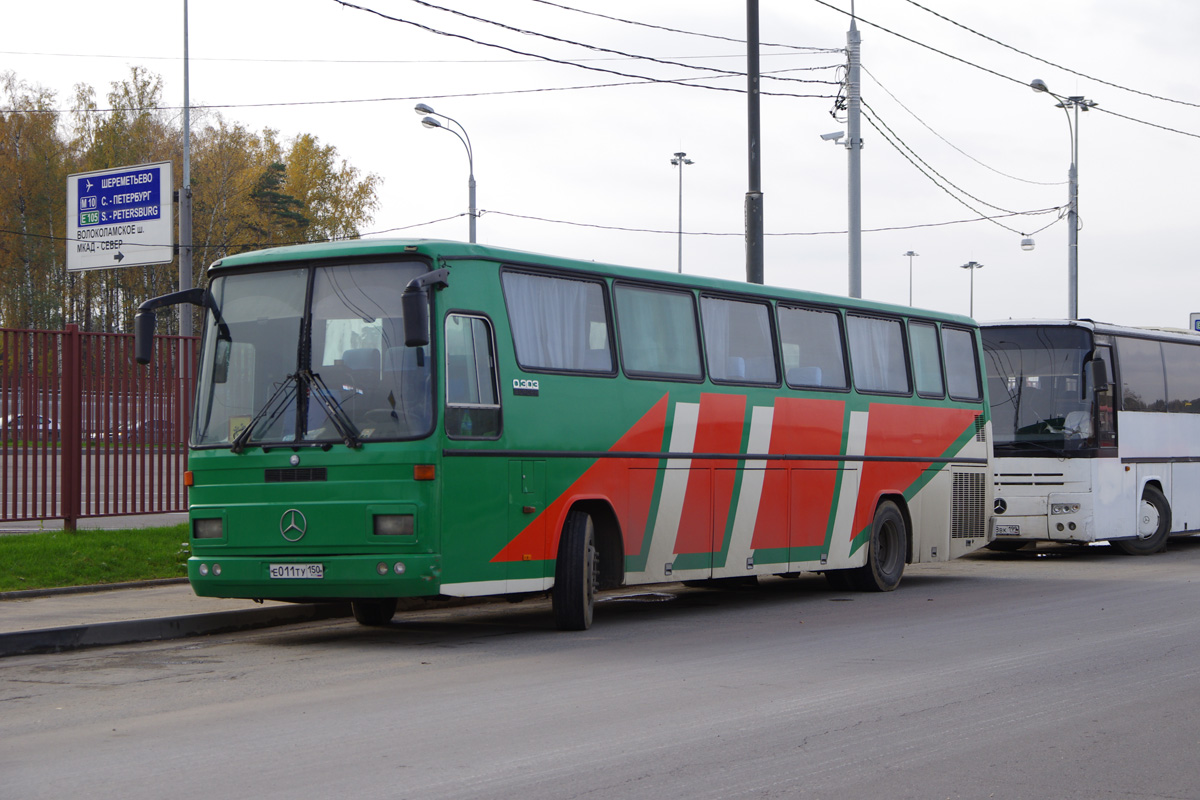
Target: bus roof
1178 334
454 251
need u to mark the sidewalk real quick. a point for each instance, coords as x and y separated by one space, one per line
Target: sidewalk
97 523
41 622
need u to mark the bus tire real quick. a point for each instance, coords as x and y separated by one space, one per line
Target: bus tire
575 574
1154 525
373 613
886 552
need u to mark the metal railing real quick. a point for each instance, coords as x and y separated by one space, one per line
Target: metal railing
85 432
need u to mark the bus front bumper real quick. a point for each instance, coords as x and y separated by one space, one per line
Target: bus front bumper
340 577
1058 517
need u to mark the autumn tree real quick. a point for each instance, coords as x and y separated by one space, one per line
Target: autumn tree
250 190
32 200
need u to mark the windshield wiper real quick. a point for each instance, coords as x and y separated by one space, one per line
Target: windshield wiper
243 437
333 409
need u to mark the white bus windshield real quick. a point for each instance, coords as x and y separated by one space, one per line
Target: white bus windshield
1039 391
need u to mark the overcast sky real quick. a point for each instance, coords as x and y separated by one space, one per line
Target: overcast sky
600 158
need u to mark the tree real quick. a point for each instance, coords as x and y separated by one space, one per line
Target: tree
250 190
32 200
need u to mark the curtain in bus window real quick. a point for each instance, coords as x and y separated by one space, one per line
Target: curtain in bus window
877 355
962 368
812 347
1143 382
658 332
737 341
1183 377
358 351
557 323
927 359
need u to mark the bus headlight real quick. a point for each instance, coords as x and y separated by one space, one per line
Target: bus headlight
1064 508
395 525
208 528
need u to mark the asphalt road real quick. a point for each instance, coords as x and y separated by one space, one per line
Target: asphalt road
1068 675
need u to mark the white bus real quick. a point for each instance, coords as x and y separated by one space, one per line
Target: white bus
1096 431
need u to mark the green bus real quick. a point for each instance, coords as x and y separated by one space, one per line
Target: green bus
384 419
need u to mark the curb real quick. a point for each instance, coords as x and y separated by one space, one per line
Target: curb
57 640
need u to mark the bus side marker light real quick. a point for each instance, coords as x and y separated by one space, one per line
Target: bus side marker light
188 478
424 472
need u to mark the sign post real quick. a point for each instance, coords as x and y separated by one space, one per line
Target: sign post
120 217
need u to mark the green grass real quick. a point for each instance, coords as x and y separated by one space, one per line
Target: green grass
80 558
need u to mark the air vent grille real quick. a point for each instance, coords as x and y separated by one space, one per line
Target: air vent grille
296 475
968 506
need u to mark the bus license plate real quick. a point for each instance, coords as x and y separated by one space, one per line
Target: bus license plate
302 571
1008 530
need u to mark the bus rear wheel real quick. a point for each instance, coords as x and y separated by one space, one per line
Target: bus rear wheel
886 554
373 613
1153 525
575 574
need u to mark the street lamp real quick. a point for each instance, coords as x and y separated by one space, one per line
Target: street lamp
910 255
679 161
1077 103
972 265
428 121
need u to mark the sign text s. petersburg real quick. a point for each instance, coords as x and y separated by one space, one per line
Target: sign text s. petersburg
120 217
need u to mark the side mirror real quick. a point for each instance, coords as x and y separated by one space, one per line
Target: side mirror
143 336
1099 373
415 306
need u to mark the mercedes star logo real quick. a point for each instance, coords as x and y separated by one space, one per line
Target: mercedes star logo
292 525
1001 506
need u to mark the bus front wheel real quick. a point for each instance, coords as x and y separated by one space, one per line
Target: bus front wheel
373 613
886 554
1153 525
575 574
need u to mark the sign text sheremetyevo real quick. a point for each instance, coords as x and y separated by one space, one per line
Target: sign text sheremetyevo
120 217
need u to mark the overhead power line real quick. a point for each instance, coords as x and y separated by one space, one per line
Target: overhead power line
563 62
992 71
687 33
1051 63
951 144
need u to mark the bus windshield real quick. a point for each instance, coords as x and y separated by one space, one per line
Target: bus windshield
311 355
1041 397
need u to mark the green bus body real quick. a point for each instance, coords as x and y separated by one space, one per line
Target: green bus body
579 470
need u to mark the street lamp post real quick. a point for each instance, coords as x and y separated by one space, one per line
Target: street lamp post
428 121
1077 103
910 255
972 265
680 161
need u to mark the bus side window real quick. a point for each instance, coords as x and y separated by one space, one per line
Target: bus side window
962 364
472 386
927 359
877 355
813 353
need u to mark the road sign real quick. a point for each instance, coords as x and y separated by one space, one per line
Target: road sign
120 217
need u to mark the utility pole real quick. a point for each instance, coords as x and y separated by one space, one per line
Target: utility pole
754 197
185 194
854 151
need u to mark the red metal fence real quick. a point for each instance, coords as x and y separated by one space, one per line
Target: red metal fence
86 432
